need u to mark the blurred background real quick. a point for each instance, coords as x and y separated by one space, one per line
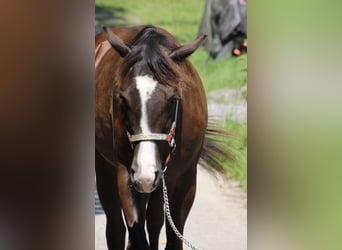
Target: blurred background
294 122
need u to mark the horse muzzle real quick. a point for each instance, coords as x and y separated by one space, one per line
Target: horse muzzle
145 184
146 167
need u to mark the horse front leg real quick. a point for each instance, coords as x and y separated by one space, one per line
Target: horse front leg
181 198
155 217
133 205
108 195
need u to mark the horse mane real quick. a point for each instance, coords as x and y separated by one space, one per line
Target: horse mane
150 50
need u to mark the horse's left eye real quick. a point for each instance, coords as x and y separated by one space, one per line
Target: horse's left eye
174 98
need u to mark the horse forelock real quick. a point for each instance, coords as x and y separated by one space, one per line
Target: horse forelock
150 56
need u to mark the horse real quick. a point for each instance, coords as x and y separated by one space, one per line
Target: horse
151 119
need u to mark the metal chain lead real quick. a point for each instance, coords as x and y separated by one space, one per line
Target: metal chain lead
169 218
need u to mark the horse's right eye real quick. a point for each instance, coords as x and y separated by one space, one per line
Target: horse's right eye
128 126
124 102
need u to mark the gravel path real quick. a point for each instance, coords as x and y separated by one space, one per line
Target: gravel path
228 103
217 221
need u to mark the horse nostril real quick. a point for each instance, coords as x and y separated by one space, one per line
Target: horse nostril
156 174
132 173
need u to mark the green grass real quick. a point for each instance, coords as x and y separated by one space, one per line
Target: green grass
238 145
220 74
182 19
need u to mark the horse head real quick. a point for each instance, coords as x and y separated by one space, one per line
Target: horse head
149 95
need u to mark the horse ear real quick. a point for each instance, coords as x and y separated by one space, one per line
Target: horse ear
186 50
116 42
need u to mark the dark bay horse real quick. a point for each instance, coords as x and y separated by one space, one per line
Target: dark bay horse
151 111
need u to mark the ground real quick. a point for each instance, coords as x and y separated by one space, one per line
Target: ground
228 103
218 219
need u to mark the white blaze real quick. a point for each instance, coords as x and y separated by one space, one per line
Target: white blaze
145 85
146 160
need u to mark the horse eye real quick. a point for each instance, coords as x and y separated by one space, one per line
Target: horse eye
120 95
124 101
128 127
170 105
174 98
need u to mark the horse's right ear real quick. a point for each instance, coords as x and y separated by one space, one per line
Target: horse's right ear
116 42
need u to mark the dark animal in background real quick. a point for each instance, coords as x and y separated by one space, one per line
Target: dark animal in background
225 22
151 110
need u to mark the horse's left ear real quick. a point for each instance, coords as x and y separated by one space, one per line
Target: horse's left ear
116 42
186 50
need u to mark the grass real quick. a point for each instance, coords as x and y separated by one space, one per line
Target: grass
238 146
220 74
182 18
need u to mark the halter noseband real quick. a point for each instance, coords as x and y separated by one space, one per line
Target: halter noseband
155 136
170 137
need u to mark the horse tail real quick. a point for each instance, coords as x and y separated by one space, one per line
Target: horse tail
216 147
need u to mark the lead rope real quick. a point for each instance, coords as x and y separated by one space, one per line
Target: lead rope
165 196
168 215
